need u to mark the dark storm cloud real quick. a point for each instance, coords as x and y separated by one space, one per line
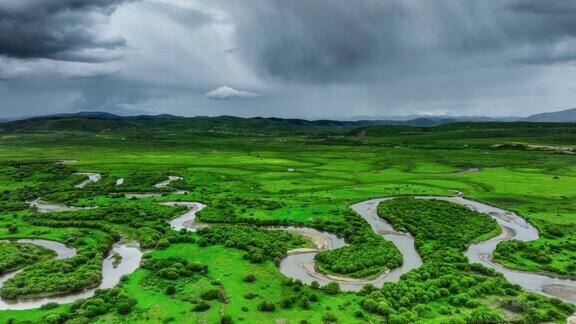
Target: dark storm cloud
546 30
339 40
545 7
185 16
57 29
317 39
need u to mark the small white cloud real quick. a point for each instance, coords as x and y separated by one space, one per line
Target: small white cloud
226 93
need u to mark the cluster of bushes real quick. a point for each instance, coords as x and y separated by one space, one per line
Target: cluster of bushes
57 181
128 213
173 268
445 223
213 294
228 210
103 302
553 230
250 203
149 220
168 270
56 277
10 203
18 171
201 306
298 295
260 244
14 256
515 252
360 260
554 253
161 236
45 221
136 182
75 237
484 315
150 237
507 248
368 253
446 274
53 177
140 182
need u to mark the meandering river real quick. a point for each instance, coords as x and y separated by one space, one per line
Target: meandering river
165 183
299 263
92 177
514 227
130 256
188 219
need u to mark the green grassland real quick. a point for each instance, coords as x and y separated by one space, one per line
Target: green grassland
227 270
269 172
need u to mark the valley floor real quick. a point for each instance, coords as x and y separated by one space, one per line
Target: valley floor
229 272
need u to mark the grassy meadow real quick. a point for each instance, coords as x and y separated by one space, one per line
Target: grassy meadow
295 177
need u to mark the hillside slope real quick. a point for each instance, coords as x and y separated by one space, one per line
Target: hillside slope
95 122
564 116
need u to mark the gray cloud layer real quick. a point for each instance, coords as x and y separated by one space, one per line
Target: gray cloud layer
323 58
339 40
57 29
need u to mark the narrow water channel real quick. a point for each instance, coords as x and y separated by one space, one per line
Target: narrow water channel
299 264
130 260
514 227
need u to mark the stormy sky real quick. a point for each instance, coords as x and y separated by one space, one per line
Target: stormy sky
297 58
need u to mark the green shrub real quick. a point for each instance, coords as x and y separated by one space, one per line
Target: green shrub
250 278
332 288
202 306
329 318
211 294
267 307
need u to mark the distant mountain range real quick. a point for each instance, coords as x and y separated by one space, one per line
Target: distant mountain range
564 116
102 121
439 118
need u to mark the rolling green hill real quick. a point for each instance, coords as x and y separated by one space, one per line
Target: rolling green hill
220 125
230 125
